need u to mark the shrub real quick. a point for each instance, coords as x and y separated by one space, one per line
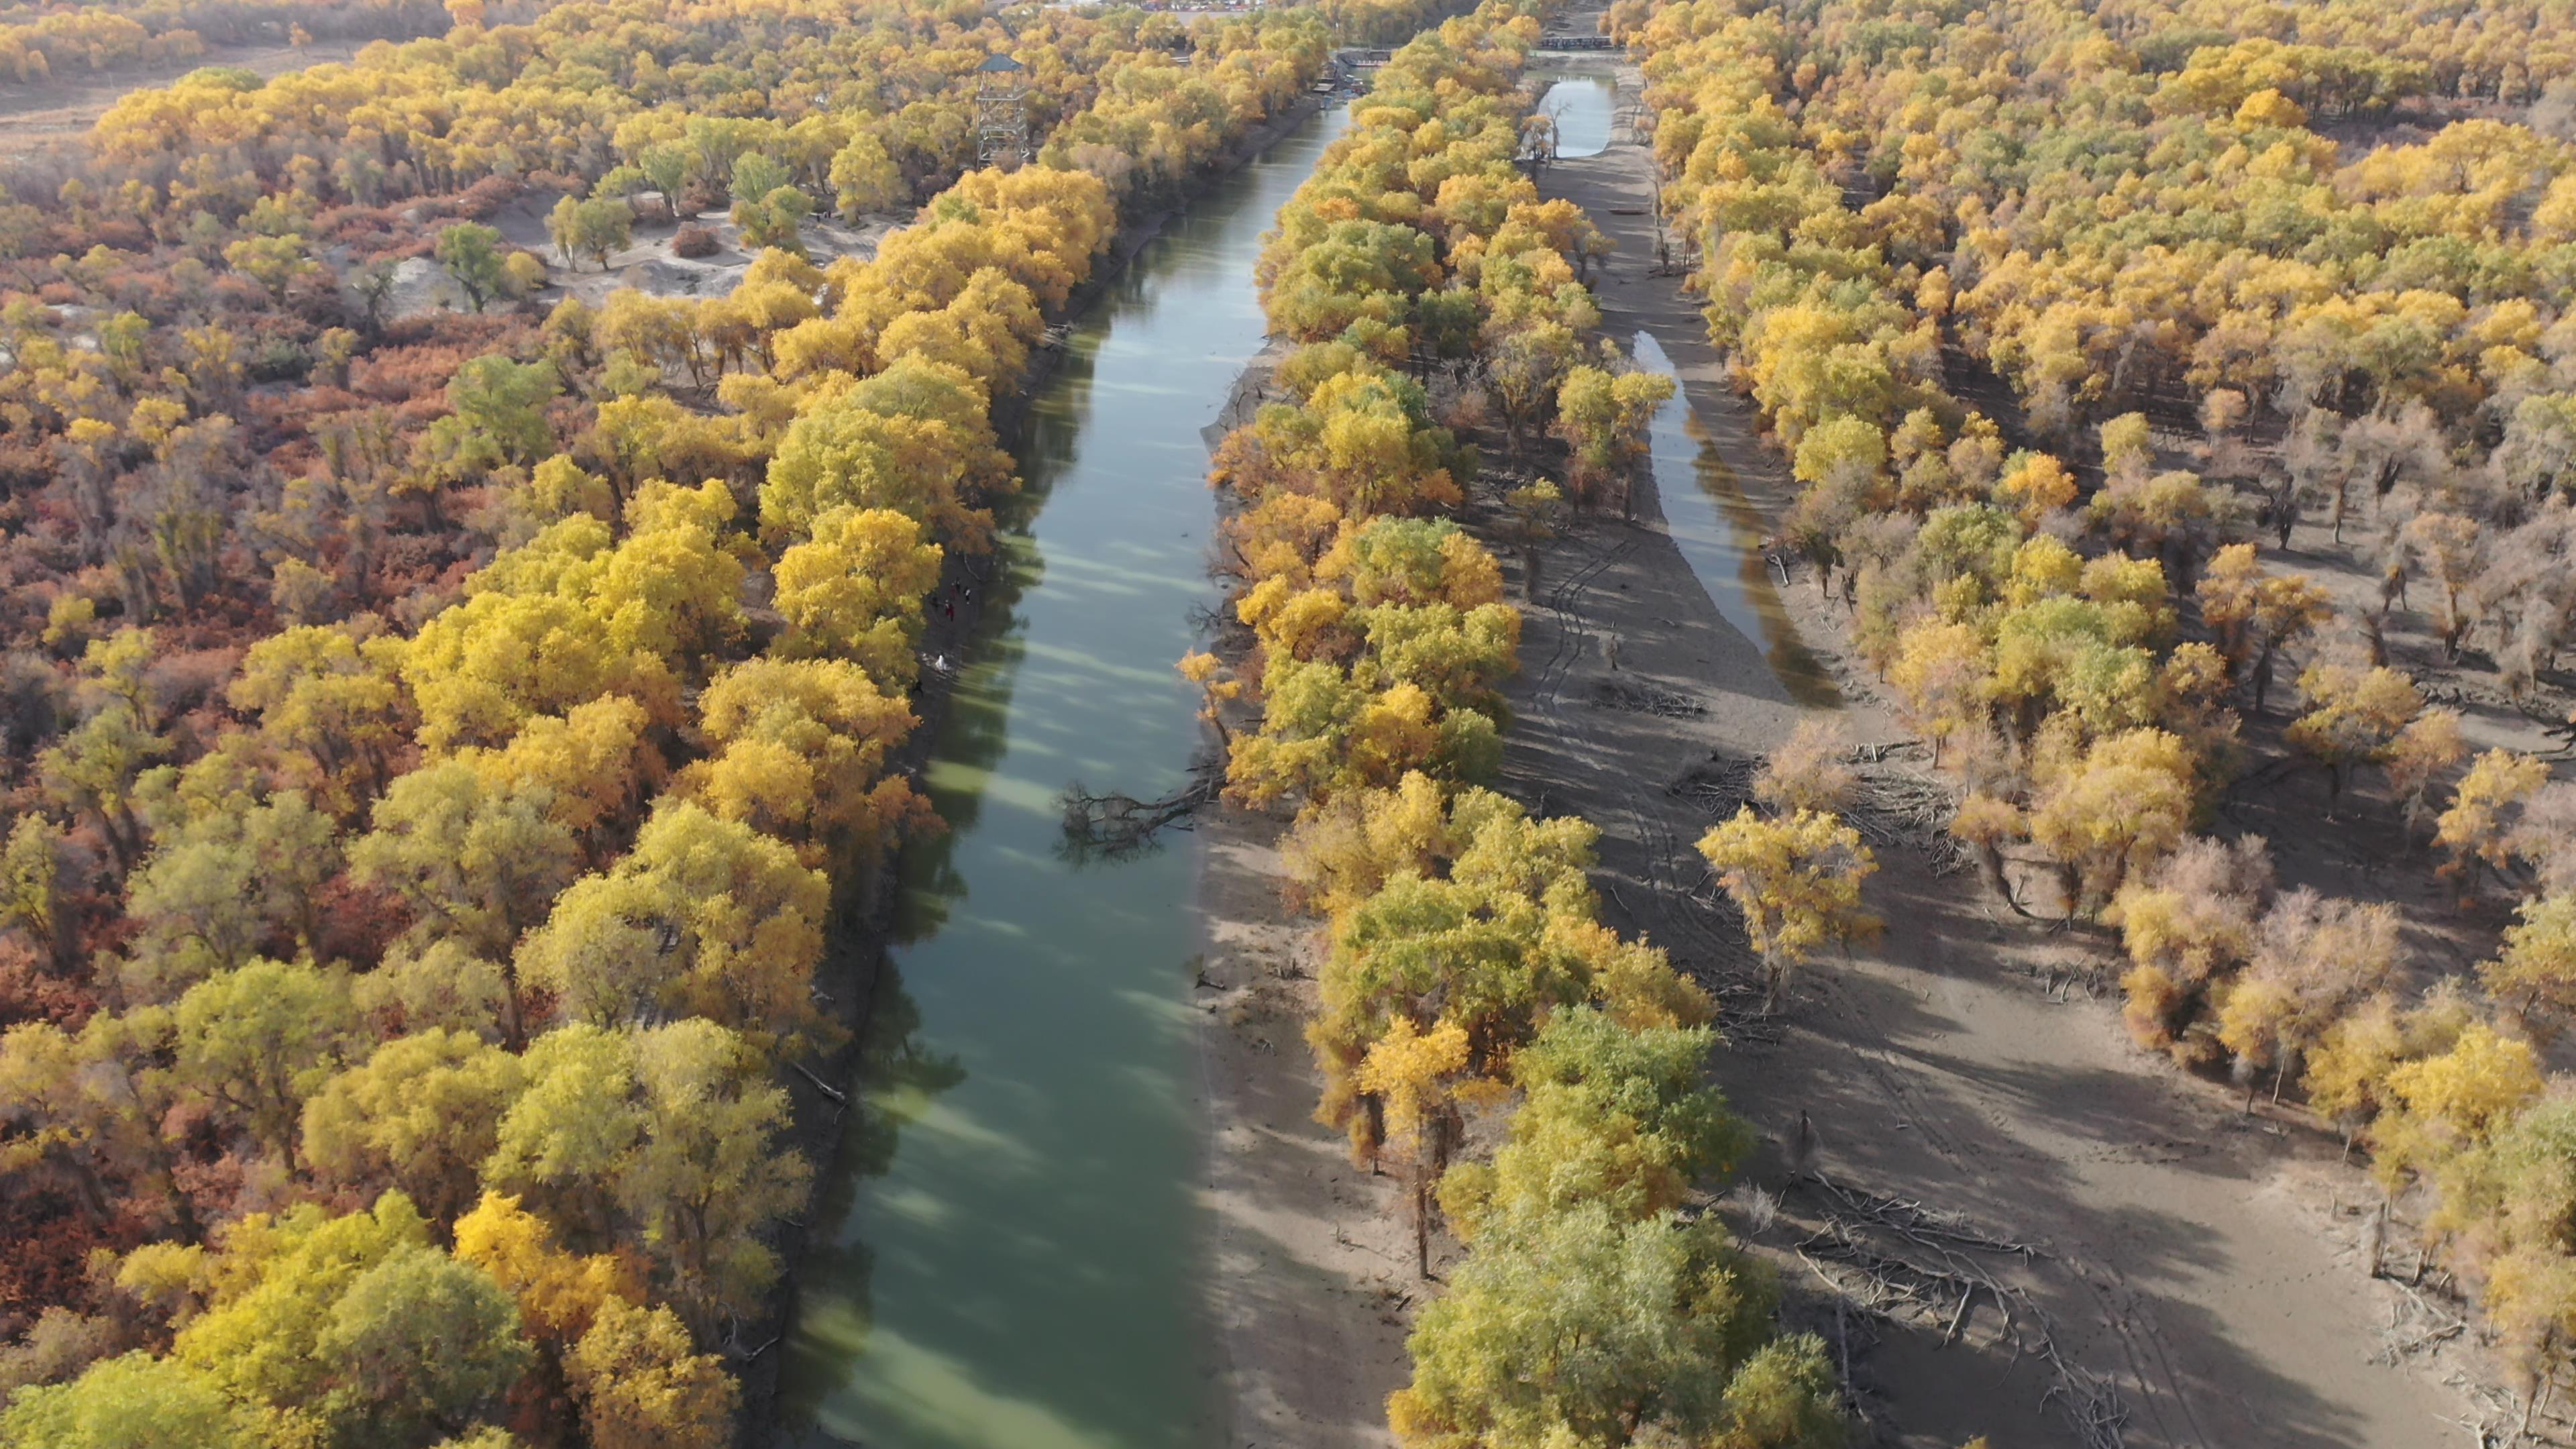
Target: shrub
695 241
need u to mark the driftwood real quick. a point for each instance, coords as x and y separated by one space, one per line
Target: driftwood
2416 1322
1114 826
1720 785
839 1097
1895 809
1916 1223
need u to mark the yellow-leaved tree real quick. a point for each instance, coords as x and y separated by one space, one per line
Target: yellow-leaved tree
1797 881
1414 1075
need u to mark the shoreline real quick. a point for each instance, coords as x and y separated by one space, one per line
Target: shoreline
1307 1272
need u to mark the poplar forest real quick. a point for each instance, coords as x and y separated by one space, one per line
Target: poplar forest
1885 761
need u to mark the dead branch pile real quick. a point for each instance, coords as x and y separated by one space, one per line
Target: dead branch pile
1740 996
2416 1322
1721 785
1114 826
1645 699
1916 1223
1892 806
1900 808
1899 1257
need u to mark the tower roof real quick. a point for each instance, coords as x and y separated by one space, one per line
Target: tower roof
999 63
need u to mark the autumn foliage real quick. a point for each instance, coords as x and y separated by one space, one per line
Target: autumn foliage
2055 314
436 744
1468 966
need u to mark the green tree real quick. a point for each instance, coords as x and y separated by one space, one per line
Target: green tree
669 168
2537 967
478 863
1609 1115
595 228
255 1043
677 1128
498 414
1784 1397
705 916
133 1402
328 700
1579 1327
275 262
473 255
353 1329
270 1283
1603 419
421 1115
573 1128
239 880
418 1347
93 771
767 205
34 888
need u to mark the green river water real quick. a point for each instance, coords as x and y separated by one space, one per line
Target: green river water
1006 1256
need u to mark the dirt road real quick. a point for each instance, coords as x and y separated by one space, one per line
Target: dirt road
2188 1274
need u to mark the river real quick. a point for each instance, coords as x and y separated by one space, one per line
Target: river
1720 533
1008 1252
1584 107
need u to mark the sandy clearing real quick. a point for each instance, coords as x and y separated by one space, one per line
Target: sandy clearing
1312 1268
647 265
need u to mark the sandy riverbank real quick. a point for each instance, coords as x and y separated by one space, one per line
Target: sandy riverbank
1310 1268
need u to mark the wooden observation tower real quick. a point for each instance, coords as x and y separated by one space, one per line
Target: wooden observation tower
1001 113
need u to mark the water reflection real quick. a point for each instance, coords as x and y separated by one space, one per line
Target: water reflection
1583 106
1006 1256
899 1078
1720 533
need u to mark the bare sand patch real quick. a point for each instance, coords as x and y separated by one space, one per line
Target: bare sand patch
1312 1273
647 264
